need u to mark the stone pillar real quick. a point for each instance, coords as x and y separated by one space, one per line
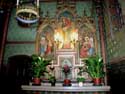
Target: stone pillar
4 34
99 11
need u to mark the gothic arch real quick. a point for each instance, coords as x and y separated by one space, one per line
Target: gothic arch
86 35
44 31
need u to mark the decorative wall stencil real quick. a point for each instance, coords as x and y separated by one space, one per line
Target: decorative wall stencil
116 14
48 7
115 48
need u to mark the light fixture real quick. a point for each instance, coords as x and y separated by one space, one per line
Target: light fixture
27 13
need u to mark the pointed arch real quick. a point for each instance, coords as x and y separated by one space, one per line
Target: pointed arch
87 41
44 33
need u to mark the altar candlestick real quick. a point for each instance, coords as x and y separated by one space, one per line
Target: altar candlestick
52 63
17 3
37 3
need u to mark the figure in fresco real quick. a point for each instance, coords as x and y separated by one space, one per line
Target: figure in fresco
91 49
84 50
66 23
65 34
62 33
43 46
49 48
87 48
66 27
49 43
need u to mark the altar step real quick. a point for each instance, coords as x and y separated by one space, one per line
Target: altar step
72 84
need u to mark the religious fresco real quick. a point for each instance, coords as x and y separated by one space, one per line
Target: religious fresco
87 45
68 34
65 32
46 42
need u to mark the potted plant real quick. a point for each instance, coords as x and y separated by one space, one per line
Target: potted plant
80 79
95 68
39 65
52 80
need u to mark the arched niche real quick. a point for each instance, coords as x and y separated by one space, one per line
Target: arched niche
65 29
44 40
87 40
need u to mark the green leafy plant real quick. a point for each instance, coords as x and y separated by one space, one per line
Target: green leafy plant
52 79
80 79
39 65
94 66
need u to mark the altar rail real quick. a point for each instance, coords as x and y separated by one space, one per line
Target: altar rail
66 88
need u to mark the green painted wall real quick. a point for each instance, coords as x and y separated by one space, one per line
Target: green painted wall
115 39
17 33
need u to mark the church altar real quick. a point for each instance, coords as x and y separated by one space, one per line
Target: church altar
67 40
59 89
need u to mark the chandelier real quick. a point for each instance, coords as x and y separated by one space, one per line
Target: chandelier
27 13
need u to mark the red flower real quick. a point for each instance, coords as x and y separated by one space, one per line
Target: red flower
66 69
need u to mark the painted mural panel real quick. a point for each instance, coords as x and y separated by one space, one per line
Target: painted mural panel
47 42
87 43
65 33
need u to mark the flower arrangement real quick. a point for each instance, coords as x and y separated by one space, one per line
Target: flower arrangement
66 70
80 78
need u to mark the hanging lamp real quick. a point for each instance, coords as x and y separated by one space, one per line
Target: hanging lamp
27 13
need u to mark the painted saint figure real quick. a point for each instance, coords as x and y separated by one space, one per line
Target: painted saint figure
87 48
84 50
43 46
66 27
91 49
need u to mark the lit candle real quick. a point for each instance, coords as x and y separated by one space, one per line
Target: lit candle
52 64
37 3
17 3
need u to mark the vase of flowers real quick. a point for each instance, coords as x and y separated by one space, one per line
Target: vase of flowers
66 69
80 79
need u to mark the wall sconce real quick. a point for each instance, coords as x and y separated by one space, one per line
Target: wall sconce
27 13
